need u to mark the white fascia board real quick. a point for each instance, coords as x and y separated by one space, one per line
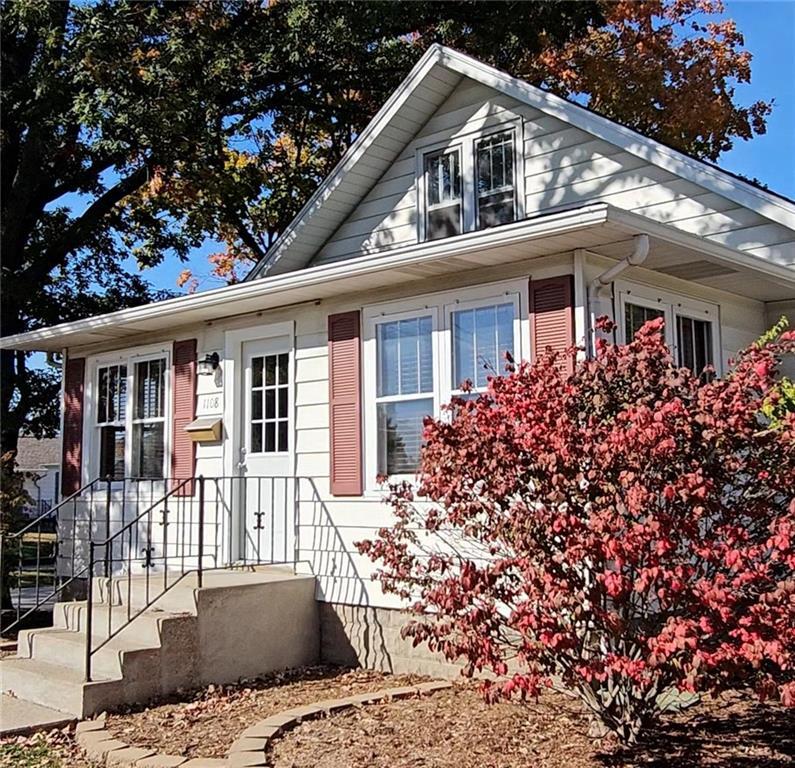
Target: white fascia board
707 176
224 299
392 105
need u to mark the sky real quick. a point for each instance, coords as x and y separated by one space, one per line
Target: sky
769 30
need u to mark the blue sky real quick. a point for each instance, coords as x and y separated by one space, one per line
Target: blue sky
769 29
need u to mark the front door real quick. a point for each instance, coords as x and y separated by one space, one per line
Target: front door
265 483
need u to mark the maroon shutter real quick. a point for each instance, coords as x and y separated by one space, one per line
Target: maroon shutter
73 387
183 449
344 354
552 316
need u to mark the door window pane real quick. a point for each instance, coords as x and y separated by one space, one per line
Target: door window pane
443 194
694 343
636 315
481 337
268 425
400 435
495 180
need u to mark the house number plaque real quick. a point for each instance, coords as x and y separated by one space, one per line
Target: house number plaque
212 402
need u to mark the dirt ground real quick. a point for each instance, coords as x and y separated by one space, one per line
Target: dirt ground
450 729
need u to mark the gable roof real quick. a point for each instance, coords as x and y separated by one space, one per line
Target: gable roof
425 88
36 454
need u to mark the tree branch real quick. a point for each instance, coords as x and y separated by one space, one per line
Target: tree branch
75 235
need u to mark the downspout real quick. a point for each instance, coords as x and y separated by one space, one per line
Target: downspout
600 289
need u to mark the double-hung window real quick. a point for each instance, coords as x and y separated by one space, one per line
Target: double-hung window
691 327
416 360
130 417
404 390
444 209
496 192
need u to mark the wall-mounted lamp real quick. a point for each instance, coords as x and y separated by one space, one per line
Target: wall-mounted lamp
207 365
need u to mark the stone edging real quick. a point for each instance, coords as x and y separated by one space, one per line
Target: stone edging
248 751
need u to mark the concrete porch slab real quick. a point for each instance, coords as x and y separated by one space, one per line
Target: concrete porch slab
20 717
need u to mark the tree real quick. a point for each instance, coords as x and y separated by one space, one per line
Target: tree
624 532
139 129
667 69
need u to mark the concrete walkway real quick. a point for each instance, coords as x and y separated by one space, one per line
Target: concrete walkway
18 716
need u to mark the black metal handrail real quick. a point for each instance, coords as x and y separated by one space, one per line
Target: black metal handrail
59 583
267 504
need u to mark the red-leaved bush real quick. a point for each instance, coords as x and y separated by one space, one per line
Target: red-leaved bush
623 533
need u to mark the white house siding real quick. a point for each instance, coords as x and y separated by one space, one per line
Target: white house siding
564 166
329 526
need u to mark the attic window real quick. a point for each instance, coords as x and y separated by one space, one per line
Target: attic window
443 184
495 185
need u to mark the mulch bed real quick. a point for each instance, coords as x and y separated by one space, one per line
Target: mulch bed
205 723
456 729
450 729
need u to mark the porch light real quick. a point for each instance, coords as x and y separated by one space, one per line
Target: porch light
207 365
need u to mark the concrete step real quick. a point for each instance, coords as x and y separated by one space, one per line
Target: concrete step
143 630
169 592
46 684
19 717
118 657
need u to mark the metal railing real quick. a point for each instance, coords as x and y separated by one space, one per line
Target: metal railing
198 524
31 554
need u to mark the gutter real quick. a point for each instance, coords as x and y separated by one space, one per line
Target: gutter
601 286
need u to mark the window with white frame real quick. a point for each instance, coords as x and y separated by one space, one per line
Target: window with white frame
404 390
149 419
480 336
691 326
471 183
130 418
417 360
444 212
111 419
496 191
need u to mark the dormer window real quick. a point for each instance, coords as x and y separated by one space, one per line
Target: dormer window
495 184
473 182
443 183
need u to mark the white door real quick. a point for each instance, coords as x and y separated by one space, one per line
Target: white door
265 485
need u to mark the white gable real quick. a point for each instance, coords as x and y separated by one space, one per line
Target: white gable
570 157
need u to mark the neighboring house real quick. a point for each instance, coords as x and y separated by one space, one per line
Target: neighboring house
40 461
476 214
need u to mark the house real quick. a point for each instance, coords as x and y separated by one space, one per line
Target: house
474 215
40 461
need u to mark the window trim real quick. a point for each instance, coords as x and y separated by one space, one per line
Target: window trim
674 305
91 431
440 306
467 143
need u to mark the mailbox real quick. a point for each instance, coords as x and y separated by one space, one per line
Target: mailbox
205 429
